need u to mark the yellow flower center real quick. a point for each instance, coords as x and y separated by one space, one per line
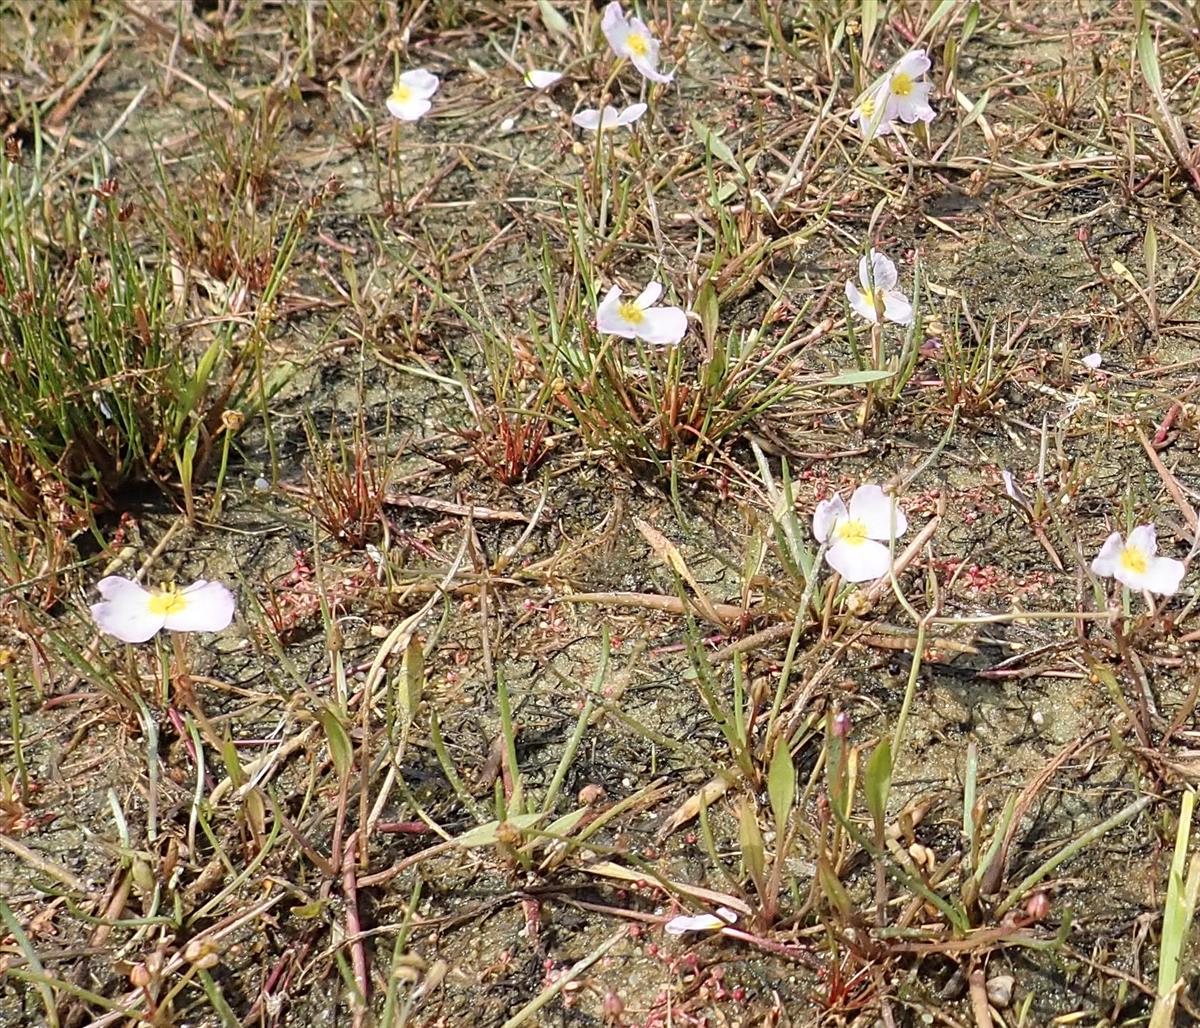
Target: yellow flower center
402 93
638 44
866 109
167 601
851 531
631 312
1134 560
902 84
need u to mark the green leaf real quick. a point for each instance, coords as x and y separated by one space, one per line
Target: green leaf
1147 57
233 766
833 890
414 678
553 21
856 377
970 21
751 842
1176 913
944 8
878 782
781 786
718 147
709 310
566 824
485 834
869 17
189 400
341 751
977 109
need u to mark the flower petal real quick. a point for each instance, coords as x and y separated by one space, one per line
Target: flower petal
878 512
827 515
125 610
1145 539
860 303
615 27
609 318
592 119
1093 361
700 922
1163 576
648 297
914 64
1109 558
423 83
914 107
684 923
897 308
587 119
410 109
647 64
631 114
883 271
859 562
539 78
208 607
663 326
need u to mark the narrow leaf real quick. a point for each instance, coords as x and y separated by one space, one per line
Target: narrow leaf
878 782
720 149
553 21
341 752
781 786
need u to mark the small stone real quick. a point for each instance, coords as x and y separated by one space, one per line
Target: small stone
1000 991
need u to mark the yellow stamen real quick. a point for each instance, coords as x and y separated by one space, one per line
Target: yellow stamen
402 93
902 84
638 44
631 312
1134 560
167 601
851 531
866 109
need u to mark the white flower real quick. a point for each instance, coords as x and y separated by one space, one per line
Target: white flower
1134 563
908 98
858 537
134 614
871 113
878 298
629 37
1093 361
700 922
899 95
594 120
639 319
410 96
537 78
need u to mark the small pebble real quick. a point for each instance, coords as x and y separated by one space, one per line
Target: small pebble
1000 990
